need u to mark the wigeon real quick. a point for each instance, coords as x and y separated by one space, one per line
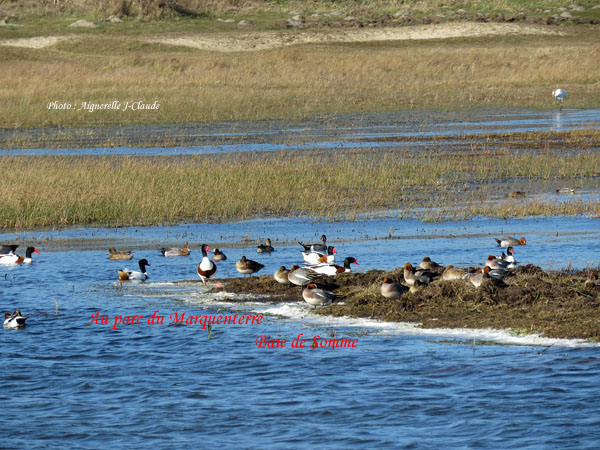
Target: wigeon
391 289
510 241
248 266
317 297
117 255
174 251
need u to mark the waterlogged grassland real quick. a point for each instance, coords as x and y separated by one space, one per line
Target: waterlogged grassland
433 185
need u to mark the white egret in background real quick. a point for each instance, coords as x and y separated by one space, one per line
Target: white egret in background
560 94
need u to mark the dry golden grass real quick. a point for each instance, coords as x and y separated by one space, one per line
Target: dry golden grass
43 191
193 86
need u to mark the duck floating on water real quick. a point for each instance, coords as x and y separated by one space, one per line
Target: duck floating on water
15 320
12 258
510 241
174 251
266 247
115 254
130 275
322 247
218 255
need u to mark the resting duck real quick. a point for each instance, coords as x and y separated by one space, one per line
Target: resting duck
247 266
334 269
593 280
391 289
428 264
118 255
321 248
174 251
411 275
301 276
206 268
509 258
12 258
218 255
319 258
477 278
496 263
317 297
510 241
127 275
266 247
453 273
15 320
281 275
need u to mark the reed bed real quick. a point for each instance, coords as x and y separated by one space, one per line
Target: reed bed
75 190
290 83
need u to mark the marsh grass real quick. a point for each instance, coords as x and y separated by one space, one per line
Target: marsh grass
70 190
293 82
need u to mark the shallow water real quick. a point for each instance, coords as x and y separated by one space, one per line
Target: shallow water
67 384
336 132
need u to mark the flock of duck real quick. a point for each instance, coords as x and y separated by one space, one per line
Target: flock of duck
318 264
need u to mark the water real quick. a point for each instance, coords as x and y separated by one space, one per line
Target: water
65 383
69 382
338 132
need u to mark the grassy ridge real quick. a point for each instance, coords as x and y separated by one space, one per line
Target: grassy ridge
44 191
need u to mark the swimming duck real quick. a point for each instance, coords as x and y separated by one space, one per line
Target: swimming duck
334 269
206 268
301 276
266 247
428 264
281 275
126 275
247 266
319 258
411 275
391 289
510 241
12 258
15 320
218 255
322 247
453 273
174 251
317 297
118 255
8 249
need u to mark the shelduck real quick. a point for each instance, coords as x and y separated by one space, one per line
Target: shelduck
127 275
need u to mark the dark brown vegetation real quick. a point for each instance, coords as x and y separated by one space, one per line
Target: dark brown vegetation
533 301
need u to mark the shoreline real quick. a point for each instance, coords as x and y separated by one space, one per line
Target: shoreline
534 302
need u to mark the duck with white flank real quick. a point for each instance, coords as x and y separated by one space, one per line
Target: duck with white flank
477 278
510 241
248 266
322 247
319 258
318 297
127 275
174 251
509 258
266 247
592 280
411 275
301 276
15 320
391 289
281 275
206 268
117 255
334 269
12 258
218 255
